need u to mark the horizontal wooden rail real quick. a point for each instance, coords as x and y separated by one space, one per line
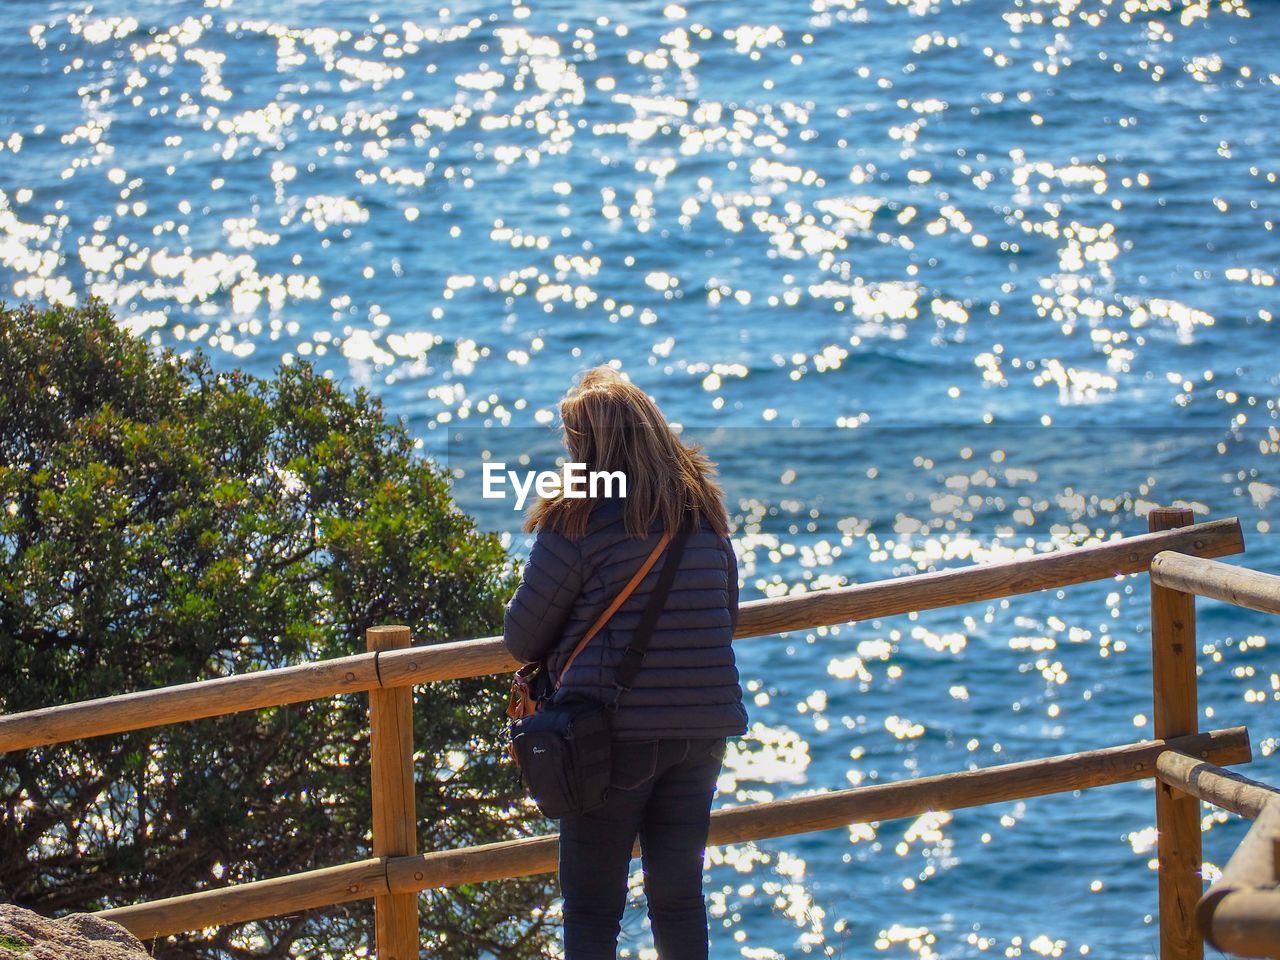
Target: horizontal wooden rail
775 818
1222 788
1241 912
1246 923
986 581
188 701
472 658
1221 581
359 880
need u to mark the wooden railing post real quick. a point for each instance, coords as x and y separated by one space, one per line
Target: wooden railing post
394 809
1173 669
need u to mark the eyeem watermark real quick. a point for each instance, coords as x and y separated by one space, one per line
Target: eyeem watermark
574 479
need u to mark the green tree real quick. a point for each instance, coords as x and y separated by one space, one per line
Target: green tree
162 521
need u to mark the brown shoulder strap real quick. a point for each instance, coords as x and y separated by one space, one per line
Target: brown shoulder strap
618 601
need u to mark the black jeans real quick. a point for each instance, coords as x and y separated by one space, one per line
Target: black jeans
661 791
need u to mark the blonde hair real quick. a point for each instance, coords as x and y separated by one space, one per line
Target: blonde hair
610 424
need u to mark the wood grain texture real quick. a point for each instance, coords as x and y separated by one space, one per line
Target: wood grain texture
188 701
881 598
1241 912
446 661
395 818
1246 923
1221 581
887 801
249 901
775 818
971 788
1222 788
1173 672
988 581
480 657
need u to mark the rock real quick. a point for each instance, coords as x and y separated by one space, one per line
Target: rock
81 936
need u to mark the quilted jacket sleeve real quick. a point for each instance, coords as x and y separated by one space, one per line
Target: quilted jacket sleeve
549 585
732 560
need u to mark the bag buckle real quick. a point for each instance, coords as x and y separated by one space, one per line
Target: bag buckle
618 690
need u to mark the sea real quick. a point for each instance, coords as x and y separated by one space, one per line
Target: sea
933 283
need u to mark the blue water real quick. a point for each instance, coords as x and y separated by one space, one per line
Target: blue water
934 283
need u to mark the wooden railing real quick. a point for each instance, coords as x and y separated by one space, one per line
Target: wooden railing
1241 912
396 873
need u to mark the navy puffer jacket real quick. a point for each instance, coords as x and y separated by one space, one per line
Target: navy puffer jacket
688 683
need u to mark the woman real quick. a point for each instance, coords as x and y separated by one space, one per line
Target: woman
670 728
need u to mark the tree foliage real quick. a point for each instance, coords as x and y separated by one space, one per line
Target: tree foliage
161 522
